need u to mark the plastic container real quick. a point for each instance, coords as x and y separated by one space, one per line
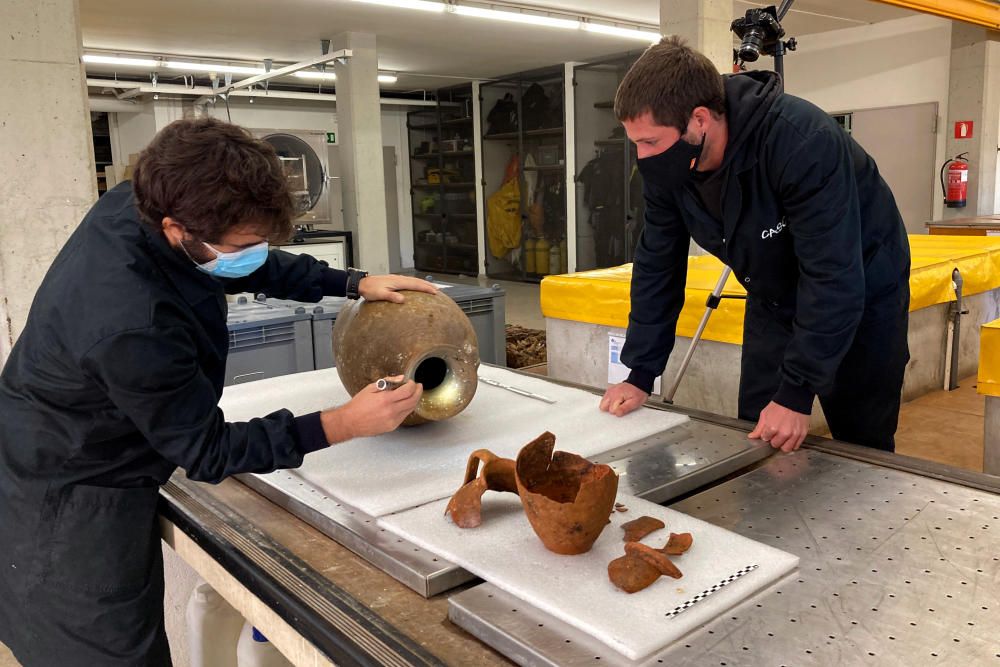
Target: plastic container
542 257
267 341
529 255
213 628
554 261
253 650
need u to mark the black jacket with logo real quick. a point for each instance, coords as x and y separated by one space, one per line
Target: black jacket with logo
116 378
115 382
809 228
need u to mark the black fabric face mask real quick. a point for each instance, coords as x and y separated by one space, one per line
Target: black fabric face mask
672 168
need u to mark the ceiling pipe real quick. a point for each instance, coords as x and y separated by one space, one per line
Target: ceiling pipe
206 93
112 105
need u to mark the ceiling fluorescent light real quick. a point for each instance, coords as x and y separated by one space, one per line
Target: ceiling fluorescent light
615 31
313 74
113 60
422 5
212 67
515 17
330 76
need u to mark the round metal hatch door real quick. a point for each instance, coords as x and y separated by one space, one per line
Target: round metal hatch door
302 167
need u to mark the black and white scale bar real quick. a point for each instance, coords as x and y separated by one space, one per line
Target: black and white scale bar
704 594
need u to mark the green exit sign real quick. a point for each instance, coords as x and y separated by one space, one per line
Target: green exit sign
331 137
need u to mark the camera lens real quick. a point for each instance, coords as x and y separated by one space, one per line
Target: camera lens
751 45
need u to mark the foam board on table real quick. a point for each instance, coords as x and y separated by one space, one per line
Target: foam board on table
413 466
506 552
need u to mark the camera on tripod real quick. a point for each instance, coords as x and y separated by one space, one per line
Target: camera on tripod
760 31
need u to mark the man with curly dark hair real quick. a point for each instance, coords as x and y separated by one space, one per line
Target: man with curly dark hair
115 382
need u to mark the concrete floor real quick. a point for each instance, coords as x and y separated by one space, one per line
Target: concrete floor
946 427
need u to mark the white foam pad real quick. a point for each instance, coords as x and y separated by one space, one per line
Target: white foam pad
506 552
413 466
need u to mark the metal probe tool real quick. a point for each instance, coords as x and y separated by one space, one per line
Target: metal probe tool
516 390
384 385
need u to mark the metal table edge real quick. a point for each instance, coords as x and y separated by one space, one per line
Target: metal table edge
939 471
339 625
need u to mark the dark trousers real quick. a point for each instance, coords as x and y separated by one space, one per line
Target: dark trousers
862 407
83 587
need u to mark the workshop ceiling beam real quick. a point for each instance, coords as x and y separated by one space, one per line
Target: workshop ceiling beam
980 12
343 55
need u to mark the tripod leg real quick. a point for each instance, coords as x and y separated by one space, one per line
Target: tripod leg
711 304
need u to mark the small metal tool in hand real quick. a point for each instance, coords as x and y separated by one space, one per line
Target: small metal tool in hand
516 390
385 385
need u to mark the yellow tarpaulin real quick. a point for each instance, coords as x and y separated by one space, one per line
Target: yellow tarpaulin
602 296
989 359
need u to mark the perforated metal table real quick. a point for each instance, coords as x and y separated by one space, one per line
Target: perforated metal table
895 569
900 561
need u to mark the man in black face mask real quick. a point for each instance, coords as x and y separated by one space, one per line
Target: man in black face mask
772 186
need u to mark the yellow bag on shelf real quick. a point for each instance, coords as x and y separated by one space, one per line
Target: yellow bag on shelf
503 218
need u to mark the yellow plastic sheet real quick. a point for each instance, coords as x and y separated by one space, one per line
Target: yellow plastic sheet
602 296
989 359
934 258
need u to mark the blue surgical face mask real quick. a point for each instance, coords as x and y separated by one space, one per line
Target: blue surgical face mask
234 264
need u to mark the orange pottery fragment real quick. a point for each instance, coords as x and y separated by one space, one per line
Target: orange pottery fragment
642 565
678 544
654 557
497 474
632 574
566 497
636 529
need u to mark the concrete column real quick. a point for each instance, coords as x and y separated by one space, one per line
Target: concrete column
973 95
49 180
705 26
359 123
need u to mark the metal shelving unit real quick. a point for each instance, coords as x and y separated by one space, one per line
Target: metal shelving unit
533 244
442 178
609 189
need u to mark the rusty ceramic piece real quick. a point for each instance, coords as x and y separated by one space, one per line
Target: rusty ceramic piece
566 497
632 574
427 339
678 544
654 557
642 565
497 474
636 529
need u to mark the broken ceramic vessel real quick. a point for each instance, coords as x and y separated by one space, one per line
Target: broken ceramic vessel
427 339
497 474
566 498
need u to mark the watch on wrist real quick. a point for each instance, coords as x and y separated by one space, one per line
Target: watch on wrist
354 277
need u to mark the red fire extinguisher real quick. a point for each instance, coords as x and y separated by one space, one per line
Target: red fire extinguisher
957 186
